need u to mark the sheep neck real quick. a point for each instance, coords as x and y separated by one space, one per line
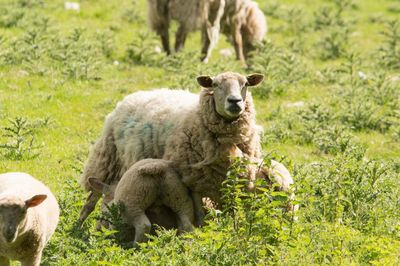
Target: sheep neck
235 131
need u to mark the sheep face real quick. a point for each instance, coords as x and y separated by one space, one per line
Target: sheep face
229 92
106 190
13 213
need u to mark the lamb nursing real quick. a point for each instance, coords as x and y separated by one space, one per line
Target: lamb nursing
147 183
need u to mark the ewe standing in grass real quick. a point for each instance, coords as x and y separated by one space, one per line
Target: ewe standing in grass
190 14
28 218
197 133
244 24
147 183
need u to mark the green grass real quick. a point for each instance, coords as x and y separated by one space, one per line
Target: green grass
74 93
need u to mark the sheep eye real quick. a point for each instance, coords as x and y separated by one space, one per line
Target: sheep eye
215 85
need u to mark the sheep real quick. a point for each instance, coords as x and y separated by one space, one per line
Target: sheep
28 218
190 15
197 133
243 21
150 182
240 19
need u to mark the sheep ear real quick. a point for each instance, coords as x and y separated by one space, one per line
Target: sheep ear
205 81
254 79
35 200
97 185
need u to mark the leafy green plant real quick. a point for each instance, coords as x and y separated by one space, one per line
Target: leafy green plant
20 140
333 43
284 69
389 52
132 14
346 189
333 140
106 41
141 50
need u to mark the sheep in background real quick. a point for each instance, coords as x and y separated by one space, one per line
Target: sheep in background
189 14
28 218
243 22
195 132
150 182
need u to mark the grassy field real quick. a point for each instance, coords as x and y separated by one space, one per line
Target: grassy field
330 108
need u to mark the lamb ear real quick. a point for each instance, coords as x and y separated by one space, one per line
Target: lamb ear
254 79
98 186
35 200
205 81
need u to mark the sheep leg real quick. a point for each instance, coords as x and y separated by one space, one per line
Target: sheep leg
89 206
210 32
164 35
4 261
175 195
198 208
32 261
205 50
184 210
158 14
139 220
238 44
180 38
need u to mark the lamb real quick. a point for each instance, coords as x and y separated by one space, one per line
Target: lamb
197 133
28 218
243 21
146 183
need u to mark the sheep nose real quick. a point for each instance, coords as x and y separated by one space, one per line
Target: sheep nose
234 99
9 234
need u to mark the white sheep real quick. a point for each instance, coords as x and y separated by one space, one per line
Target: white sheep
146 183
197 133
243 22
28 218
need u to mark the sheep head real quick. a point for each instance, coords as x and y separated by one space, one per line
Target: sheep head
13 214
106 190
229 91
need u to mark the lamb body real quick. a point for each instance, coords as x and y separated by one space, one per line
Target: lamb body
29 215
197 133
147 183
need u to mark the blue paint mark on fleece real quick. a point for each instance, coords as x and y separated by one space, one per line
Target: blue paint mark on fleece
146 139
129 123
147 130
